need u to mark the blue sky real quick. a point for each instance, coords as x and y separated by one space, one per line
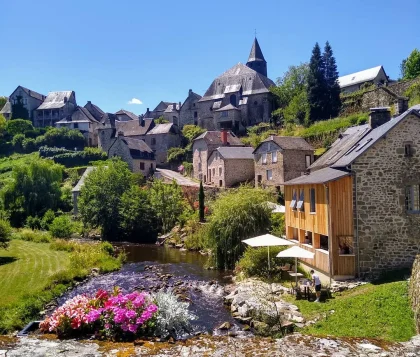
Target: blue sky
112 51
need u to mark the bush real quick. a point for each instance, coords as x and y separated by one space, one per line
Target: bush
61 227
17 141
32 235
33 222
254 262
47 219
29 145
277 224
5 232
45 151
80 158
63 137
18 126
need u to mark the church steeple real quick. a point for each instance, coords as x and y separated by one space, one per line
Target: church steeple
256 60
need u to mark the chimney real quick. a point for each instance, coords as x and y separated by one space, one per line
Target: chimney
224 137
120 133
141 120
401 105
189 92
179 105
89 102
173 106
379 116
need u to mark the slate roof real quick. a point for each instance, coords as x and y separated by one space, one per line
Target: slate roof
81 182
55 100
239 76
128 113
359 77
256 53
93 109
215 138
163 129
289 143
236 152
32 93
80 115
170 108
227 107
320 176
7 108
137 145
133 127
109 119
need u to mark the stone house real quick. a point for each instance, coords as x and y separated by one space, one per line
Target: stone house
56 106
125 115
161 138
281 158
238 98
135 129
158 111
135 152
229 165
171 113
358 209
93 109
6 111
204 145
189 110
84 121
354 81
31 100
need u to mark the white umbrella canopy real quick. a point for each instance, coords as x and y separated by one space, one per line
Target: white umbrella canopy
296 252
275 208
267 240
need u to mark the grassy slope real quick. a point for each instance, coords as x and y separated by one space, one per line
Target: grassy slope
7 164
373 311
34 263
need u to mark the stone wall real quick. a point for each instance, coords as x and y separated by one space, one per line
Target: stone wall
200 156
162 143
388 235
414 291
238 170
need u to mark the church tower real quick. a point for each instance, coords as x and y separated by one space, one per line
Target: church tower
256 59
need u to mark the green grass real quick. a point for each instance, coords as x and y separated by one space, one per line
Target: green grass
25 268
371 311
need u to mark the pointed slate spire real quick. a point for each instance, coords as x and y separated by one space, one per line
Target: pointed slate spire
256 60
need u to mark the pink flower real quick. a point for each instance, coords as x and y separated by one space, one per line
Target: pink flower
132 328
93 315
130 314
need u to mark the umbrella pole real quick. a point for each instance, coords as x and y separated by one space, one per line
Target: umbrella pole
296 270
268 251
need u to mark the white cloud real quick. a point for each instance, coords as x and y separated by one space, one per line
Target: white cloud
135 101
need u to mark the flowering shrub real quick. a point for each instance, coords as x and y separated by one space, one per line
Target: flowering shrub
108 315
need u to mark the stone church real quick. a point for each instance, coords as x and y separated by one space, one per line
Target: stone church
238 98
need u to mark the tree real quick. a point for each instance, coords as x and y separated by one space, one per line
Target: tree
19 110
3 101
166 199
18 126
138 221
63 137
34 190
3 124
190 132
100 197
61 227
161 120
5 232
237 215
317 87
201 202
410 67
333 101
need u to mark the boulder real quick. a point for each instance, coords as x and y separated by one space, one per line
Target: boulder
225 326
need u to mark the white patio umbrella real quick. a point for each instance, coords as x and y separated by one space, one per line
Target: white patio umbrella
267 240
296 252
275 208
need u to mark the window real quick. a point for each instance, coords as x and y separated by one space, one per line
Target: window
345 245
412 198
142 166
220 183
195 114
269 175
225 114
274 156
153 141
293 202
312 198
323 242
307 161
259 178
233 100
76 125
220 171
408 152
300 205
264 158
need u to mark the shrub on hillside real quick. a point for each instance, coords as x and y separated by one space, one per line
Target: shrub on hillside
63 137
18 126
30 235
33 222
277 224
47 219
62 227
45 151
80 158
17 142
5 232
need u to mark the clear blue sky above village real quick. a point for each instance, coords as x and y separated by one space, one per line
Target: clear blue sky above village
112 51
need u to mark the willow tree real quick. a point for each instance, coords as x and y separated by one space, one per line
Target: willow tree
237 215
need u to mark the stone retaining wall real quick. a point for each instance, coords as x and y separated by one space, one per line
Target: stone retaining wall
415 291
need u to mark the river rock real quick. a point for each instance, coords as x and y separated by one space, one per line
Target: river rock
261 328
225 326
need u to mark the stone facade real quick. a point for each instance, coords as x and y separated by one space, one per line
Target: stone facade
388 236
290 163
31 100
414 291
55 107
189 110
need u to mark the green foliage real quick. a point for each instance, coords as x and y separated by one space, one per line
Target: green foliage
80 158
190 132
138 220
317 87
188 168
62 137
167 201
3 101
410 67
237 215
278 227
5 232
413 93
61 227
161 120
29 145
201 202
3 124
35 189
17 142
33 222
333 101
100 197
31 235
18 126
19 110
254 262
47 219
177 154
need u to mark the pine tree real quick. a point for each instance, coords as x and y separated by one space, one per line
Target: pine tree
317 87
201 202
333 101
